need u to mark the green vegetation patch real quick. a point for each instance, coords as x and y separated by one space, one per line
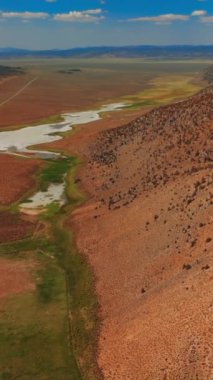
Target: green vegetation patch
34 327
82 301
34 338
164 90
50 333
20 248
49 284
52 209
138 105
55 171
50 120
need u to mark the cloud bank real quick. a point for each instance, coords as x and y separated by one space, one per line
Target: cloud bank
91 15
97 15
24 15
161 18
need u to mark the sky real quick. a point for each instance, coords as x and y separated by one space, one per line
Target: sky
49 24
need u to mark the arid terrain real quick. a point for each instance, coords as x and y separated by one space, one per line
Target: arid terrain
117 284
147 233
52 90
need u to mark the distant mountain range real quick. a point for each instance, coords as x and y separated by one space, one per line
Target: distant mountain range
159 52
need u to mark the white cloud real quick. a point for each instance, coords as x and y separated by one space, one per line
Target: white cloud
24 15
161 18
207 19
93 11
91 15
199 13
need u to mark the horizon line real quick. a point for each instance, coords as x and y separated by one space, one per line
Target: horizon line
106 46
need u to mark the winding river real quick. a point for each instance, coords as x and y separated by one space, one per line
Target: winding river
21 141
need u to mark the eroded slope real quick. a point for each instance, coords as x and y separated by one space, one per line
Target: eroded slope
147 232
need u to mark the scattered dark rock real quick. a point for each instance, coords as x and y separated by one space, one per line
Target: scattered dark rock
205 267
187 266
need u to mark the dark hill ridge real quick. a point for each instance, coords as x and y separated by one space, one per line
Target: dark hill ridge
166 143
159 52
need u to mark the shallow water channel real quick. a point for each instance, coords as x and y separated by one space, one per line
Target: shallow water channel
22 140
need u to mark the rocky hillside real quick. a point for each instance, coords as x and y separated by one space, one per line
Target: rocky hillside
166 143
148 235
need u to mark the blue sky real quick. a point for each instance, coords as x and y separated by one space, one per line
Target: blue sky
41 24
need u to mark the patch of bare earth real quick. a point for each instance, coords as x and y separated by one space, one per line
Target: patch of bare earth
146 230
16 177
53 93
14 227
15 277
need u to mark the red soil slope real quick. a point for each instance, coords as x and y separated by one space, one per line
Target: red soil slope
147 232
16 177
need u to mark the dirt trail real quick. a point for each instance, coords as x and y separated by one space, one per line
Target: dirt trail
22 89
